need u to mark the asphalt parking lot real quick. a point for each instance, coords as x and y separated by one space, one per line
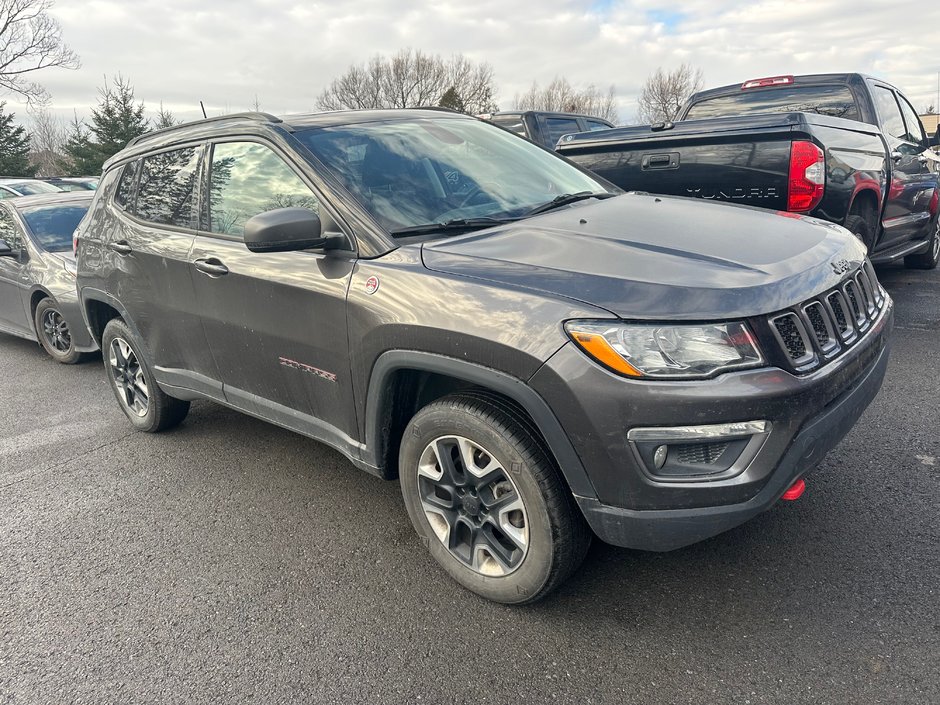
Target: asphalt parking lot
231 561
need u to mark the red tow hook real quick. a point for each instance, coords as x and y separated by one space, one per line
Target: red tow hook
796 490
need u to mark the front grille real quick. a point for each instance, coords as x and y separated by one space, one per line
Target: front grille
822 328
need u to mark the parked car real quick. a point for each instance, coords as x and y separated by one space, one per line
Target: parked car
73 183
13 188
846 148
544 127
533 355
38 298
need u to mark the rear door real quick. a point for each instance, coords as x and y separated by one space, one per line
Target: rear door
13 315
906 213
276 322
148 244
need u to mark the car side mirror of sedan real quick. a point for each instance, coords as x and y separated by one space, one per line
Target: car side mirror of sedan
288 230
6 250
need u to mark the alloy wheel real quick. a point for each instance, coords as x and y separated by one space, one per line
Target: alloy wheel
128 377
56 331
473 505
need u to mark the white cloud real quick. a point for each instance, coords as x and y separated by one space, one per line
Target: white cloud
226 52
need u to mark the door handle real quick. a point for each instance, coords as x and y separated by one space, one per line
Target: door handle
121 247
211 266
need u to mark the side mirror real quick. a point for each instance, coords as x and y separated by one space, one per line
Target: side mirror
6 250
287 230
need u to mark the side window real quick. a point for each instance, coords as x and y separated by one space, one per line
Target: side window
513 123
594 125
247 178
560 126
166 188
914 130
888 111
9 232
4 194
126 186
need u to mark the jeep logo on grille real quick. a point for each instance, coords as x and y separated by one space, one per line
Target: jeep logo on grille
840 266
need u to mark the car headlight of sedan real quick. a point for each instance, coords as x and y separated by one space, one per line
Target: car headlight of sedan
659 351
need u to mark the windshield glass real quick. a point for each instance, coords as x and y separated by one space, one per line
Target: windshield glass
30 188
835 101
52 226
414 172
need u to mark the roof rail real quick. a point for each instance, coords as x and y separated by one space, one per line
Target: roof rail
256 116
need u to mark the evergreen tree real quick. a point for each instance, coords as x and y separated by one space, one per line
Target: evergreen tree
82 157
451 99
14 147
117 119
164 119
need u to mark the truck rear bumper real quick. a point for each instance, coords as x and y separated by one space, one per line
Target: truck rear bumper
668 529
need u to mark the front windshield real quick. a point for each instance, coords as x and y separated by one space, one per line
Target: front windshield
408 173
53 226
31 188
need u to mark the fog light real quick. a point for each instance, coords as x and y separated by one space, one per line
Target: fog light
659 457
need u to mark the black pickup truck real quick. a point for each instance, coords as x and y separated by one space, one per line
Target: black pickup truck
846 148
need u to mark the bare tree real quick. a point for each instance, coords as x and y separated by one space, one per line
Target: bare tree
30 40
560 95
47 141
665 91
410 79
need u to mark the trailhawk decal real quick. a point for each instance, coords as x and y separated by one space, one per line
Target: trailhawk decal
309 369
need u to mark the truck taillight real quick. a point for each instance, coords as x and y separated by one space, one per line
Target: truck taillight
807 178
75 243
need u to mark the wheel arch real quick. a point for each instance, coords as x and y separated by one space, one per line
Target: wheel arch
99 308
36 295
866 203
404 381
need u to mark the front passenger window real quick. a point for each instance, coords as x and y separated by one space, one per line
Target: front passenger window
247 178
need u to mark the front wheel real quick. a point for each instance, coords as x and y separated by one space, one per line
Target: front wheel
54 333
487 500
930 258
147 406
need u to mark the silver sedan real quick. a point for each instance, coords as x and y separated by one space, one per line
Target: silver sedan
38 298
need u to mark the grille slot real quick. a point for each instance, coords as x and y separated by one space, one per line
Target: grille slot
837 306
851 293
818 321
790 332
700 453
867 293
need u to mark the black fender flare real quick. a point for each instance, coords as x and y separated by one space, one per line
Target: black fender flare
89 294
392 361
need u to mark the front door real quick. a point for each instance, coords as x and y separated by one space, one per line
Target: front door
906 213
276 322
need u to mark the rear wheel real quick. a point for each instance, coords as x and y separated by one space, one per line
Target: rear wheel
930 258
487 500
147 406
53 332
862 229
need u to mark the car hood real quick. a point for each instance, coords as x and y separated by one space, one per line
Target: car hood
659 257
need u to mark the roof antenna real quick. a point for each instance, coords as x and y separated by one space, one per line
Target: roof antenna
203 109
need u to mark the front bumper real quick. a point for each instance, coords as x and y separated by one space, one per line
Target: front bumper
809 416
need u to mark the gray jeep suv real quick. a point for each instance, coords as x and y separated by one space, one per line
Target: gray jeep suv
537 357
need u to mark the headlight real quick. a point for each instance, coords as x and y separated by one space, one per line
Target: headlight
667 351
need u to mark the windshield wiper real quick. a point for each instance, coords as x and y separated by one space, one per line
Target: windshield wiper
456 224
566 198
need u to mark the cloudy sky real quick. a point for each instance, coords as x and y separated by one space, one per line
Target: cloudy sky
226 52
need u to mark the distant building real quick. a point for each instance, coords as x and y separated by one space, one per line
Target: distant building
930 123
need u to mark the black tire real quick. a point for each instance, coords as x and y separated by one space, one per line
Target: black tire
147 406
557 536
862 229
930 258
53 332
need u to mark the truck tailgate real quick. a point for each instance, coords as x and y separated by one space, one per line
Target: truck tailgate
738 159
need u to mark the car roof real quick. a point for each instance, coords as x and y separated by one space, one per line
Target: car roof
49 199
223 124
24 180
